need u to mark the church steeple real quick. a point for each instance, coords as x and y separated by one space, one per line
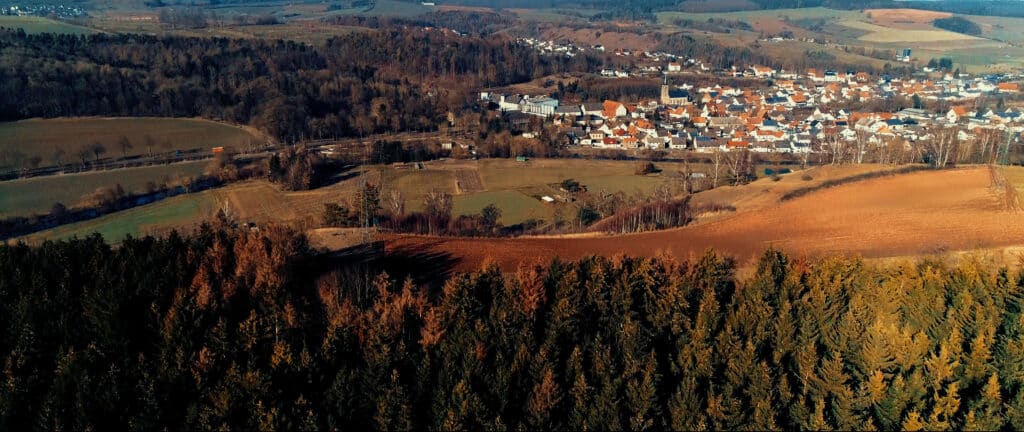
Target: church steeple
664 89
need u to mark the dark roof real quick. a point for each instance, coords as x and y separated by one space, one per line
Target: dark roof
678 94
567 109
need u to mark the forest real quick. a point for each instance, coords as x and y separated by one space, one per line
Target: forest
958 24
363 83
244 329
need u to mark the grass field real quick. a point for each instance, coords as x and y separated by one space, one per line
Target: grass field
44 137
37 195
513 186
178 212
515 206
34 24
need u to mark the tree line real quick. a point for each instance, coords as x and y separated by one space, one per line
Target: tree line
229 328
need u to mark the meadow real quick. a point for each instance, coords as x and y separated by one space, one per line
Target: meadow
515 187
34 24
37 195
181 212
58 141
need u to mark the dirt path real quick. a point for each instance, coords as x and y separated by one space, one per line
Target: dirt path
920 213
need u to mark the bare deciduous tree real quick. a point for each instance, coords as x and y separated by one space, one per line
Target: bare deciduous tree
941 146
395 203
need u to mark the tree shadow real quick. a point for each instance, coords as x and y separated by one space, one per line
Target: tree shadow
333 176
423 264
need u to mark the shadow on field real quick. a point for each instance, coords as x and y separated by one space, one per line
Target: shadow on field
421 263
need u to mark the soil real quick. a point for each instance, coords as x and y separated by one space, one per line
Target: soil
913 214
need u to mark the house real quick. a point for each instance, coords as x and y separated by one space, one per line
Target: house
592 109
957 113
762 71
509 103
1008 87
568 110
612 109
675 67
815 75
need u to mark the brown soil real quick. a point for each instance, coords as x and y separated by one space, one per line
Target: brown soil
468 181
920 213
905 19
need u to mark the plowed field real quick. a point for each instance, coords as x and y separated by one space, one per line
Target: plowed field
912 214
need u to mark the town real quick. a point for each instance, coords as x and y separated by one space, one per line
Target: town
789 112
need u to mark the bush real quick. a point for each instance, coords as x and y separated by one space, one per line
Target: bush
806 177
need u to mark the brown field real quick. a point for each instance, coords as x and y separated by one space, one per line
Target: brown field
922 213
610 40
909 19
469 181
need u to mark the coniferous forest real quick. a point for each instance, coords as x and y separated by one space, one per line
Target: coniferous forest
253 330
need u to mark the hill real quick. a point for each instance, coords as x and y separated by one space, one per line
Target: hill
912 214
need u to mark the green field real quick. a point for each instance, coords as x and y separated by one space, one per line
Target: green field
34 24
66 137
515 187
515 206
37 195
177 212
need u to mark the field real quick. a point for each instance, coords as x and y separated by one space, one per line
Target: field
37 195
909 19
34 24
43 137
181 212
914 214
877 33
998 47
515 187
516 207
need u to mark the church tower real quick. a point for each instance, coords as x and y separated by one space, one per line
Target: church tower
664 89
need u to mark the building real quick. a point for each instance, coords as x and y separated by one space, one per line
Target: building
540 105
672 96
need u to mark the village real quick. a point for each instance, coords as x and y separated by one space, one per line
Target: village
796 113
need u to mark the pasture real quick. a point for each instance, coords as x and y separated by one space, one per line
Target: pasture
515 187
37 195
181 212
35 24
62 140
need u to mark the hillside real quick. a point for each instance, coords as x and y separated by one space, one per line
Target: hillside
913 214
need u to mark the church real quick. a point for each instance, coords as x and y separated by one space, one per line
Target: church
670 96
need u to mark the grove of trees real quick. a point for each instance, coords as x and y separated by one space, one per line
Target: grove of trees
229 328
